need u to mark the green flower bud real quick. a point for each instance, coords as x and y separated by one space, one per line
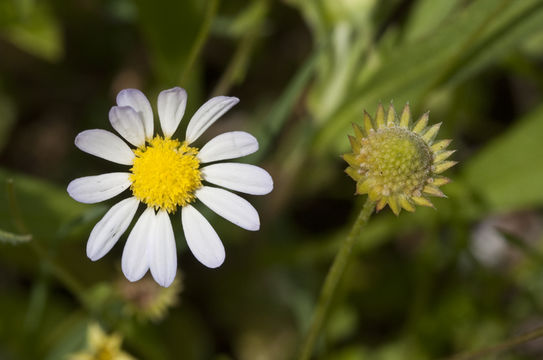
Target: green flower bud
397 163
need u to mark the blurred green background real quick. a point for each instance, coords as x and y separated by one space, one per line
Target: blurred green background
421 286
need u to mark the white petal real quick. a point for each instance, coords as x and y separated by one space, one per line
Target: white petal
109 229
162 251
128 123
229 145
105 145
171 108
207 114
202 239
135 259
93 189
137 100
230 206
245 178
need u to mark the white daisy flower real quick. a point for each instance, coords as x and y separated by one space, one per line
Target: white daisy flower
165 174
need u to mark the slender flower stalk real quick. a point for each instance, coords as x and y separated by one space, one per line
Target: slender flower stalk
332 279
209 15
396 164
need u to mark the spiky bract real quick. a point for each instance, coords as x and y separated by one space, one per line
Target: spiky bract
396 162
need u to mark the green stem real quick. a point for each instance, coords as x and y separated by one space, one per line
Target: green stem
332 280
506 345
237 65
69 282
200 38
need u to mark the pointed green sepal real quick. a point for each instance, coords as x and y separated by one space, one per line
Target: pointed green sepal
431 133
391 116
380 117
405 118
441 167
422 201
440 145
421 123
368 123
443 155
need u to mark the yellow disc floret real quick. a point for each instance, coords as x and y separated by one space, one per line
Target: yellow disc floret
397 163
165 174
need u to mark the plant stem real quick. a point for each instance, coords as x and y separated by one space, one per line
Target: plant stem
236 68
61 274
200 38
506 345
331 282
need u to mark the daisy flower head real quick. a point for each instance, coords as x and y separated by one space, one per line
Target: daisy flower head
396 162
165 175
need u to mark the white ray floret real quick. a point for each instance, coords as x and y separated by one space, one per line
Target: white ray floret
229 145
105 145
162 252
94 189
127 122
201 238
109 229
230 206
171 108
244 178
207 114
138 101
135 259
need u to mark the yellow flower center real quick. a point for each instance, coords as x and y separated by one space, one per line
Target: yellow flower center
396 161
165 174
105 353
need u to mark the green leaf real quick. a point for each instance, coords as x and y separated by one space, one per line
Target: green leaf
43 207
475 37
506 32
14 239
507 174
427 16
32 28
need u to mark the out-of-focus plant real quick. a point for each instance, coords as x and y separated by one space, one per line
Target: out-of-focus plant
33 27
422 285
345 29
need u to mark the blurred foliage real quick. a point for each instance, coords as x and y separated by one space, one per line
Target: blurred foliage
520 186
31 26
420 286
